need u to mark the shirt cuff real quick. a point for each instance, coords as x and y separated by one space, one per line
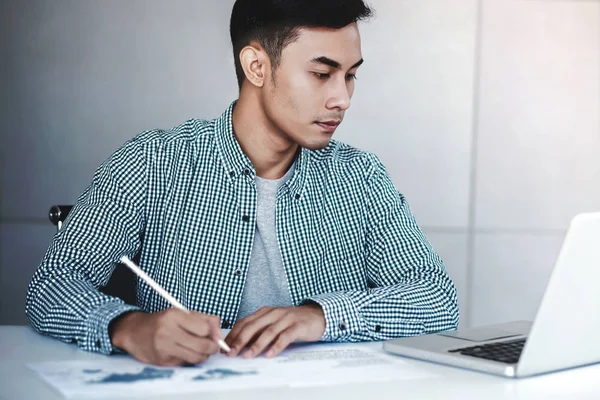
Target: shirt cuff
96 334
342 319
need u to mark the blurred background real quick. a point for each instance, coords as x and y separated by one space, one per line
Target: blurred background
486 113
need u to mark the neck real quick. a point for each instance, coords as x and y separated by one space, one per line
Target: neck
264 144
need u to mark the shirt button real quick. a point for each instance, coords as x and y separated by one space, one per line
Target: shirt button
232 174
98 344
246 171
342 326
378 328
238 272
246 218
297 196
225 325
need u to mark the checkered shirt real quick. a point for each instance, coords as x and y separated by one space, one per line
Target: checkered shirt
185 200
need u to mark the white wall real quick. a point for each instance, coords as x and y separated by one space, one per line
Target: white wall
486 113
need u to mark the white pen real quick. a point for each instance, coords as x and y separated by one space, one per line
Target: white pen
131 265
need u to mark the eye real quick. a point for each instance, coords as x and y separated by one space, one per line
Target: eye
321 76
350 77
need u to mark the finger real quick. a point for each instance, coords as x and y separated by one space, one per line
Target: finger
198 324
249 334
196 344
251 329
250 342
168 362
268 335
171 353
187 356
216 334
166 339
240 325
215 327
283 341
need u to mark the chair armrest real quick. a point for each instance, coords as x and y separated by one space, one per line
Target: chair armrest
58 213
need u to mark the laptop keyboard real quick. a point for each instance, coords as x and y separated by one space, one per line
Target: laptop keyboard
505 352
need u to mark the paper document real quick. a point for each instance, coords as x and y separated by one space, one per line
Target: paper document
298 366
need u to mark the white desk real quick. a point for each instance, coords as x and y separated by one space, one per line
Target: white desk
20 345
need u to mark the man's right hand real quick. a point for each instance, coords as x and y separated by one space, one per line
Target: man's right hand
168 338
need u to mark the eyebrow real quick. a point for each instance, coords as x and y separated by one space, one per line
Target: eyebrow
333 63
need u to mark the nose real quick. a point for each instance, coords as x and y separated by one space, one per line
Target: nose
340 98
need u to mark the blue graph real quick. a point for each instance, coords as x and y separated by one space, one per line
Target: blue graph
151 374
221 373
147 374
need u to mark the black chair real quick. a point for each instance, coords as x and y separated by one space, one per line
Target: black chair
122 282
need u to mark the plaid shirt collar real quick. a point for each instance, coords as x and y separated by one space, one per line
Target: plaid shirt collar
237 163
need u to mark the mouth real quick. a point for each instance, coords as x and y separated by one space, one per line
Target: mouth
329 126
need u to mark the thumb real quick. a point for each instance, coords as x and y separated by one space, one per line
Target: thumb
214 324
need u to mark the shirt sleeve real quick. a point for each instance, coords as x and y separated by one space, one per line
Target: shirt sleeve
410 292
104 224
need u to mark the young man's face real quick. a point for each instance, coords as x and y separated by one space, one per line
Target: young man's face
313 85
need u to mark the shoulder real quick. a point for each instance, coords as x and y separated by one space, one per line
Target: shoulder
348 168
188 133
182 140
339 156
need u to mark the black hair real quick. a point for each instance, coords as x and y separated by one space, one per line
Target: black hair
275 24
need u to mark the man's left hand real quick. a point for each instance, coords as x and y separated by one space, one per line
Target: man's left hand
276 327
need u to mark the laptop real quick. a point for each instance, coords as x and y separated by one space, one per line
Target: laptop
563 335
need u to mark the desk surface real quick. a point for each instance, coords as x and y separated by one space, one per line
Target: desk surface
20 345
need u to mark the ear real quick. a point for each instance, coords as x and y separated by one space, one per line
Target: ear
254 61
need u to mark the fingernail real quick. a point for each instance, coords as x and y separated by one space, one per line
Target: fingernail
269 354
248 354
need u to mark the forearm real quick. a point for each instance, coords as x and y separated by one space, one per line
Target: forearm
404 309
66 306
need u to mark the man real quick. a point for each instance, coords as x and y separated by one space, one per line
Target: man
256 219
